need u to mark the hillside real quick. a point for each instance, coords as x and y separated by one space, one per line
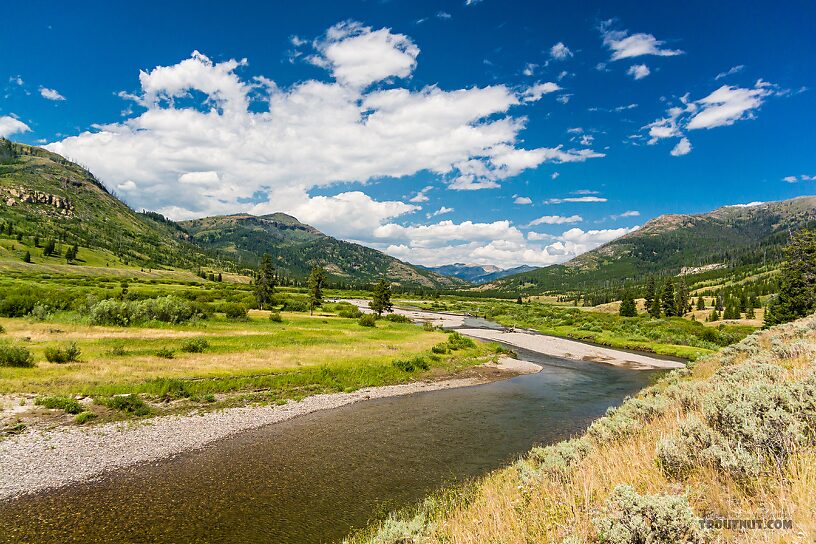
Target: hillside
476 273
44 195
295 247
726 238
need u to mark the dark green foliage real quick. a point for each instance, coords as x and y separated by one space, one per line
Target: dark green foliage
69 353
17 356
669 305
397 318
412 365
235 311
350 312
123 313
165 353
714 315
381 298
628 307
49 248
649 293
797 295
317 278
654 308
265 282
16 305
700 303
441 348
84 417
368 320
681 299
131 404
457 341
27 257
275 317
60 403
195 345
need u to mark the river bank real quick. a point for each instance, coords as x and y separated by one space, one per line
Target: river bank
35 461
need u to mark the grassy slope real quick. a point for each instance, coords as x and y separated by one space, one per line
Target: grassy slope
540 501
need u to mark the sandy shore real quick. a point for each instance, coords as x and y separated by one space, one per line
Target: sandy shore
570 349
39 460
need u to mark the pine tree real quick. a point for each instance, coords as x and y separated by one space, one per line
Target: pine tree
36 241
381 301
681 299
49 248
316 280
628 307
797 292
651 290
714 316
27 257
265 282
654 307
749 312
669 304
219 277
719 304
700 303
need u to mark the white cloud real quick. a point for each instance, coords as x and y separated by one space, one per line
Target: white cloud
581 199
803 177
638 71
554 175
624 46
127 186
522 200
560 51
555 220
359 56
587 139
749 205
564 98
730 72
11 125
17 80
529 69
628 213
441 211
538 236
723 107
443 15
50 94
422 194
585 192
535 92
683 147
594 238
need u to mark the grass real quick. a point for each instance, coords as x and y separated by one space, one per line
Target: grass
676 337
539 500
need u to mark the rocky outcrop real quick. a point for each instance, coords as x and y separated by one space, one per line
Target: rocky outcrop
12 196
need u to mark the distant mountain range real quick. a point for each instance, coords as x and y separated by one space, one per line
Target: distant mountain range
476 273
714 243
43 194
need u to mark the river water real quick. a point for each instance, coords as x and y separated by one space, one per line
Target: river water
316 477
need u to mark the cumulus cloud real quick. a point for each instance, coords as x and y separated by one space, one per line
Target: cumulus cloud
50 94
11 125
522 200
683 147
422 194
638 71
555 220
441 211
560 51
723 107
535 92
622 45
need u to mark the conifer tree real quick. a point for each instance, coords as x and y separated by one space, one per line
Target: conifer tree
381 301
265 282
749 312
27 257
797 292
681 299
654 307
628 307
316 280
650 292
700 303
669 304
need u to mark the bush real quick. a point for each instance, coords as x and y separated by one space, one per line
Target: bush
16 305
428 326
237 312
457 341
367 320
2 329
397 318
195 345
68 354
440 348
296 305
350 313
165 353
412 365
117 351
60 403
630 518
563 455
275 317
40 312
84 417
122 313
130 404
16 356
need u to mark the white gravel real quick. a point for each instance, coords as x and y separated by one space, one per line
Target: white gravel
38 460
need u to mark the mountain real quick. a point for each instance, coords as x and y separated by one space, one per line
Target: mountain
477 273
721 240
295 247
42 194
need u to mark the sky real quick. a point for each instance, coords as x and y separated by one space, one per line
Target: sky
475 131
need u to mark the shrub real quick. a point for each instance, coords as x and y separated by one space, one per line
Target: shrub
40 312
296 305
2 329
122 313
428 326
84 417
561 456
16 305
275 317
397 318
17 356
60 403
630 518
367 320
412 365
69 353
117 351
165 353
130 404
440 348
350 313
195 345
111 312
235 311
457 341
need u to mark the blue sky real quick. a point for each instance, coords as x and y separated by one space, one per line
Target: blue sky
492 132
